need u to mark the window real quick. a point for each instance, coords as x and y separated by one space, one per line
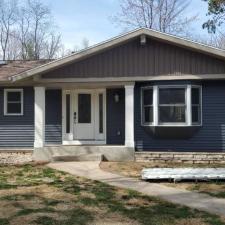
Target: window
84 108
13 102
196 105
171 105
147 102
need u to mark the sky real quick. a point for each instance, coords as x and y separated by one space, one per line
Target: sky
79 19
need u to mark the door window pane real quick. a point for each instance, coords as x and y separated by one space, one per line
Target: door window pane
84 108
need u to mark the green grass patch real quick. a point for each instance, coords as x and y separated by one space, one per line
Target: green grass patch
46 220
4 221
25 211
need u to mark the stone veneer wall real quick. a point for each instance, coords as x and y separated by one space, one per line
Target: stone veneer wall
16 157
175 157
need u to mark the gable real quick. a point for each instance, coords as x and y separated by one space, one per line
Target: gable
131 59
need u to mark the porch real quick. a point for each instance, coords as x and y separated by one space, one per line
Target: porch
93 120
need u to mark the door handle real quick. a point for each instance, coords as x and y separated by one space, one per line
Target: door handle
75 117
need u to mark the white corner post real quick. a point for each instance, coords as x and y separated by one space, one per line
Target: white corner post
39 117
129 116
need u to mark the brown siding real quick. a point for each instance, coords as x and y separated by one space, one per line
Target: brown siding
132 59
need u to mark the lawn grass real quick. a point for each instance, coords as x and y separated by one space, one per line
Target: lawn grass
133 169
42 196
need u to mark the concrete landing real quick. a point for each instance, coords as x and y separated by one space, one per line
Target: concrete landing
195 200
110 152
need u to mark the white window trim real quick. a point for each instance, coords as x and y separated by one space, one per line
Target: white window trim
200 88
142 106
188 104
6 91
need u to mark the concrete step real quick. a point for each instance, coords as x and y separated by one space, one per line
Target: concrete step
77 158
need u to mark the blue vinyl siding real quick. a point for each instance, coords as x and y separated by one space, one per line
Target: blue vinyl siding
209 137
53 117
18 131
115 119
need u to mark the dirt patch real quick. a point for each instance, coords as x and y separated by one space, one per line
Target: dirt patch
191 222
28 219
140 202
7 209
84 194
214 188
114 219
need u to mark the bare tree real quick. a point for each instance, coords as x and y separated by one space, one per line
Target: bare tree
163 15
36 31
23 30
13 49
52 46
40 23
85 43
8 15
217 40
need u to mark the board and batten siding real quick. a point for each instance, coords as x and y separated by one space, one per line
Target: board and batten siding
131 59
53 117
209 137
115 116
18 131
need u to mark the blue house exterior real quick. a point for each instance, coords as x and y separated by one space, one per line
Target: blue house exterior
142 91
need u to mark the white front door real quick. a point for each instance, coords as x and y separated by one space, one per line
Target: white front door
83 115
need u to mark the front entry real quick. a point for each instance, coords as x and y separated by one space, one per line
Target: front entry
84 121
84 116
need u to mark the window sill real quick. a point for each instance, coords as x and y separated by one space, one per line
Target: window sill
171 125
13 114
172 131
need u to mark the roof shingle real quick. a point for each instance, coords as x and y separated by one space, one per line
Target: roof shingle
18 66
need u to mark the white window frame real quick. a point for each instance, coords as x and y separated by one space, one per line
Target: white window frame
142 106
6 91
200 102
188 104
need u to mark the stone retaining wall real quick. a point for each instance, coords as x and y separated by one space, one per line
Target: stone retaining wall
176 157
15 157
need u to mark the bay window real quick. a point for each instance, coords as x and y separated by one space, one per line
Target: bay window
171 104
